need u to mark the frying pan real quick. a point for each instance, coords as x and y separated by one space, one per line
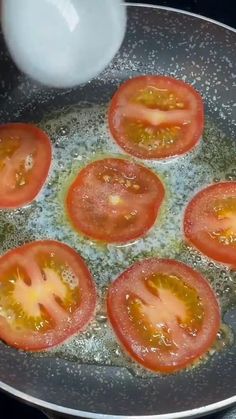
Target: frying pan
159 40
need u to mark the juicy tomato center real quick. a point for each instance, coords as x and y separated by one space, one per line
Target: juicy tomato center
15 163
115 177
37 298
155 98
225 212
146 126
168 302
8 146
117 200
151 138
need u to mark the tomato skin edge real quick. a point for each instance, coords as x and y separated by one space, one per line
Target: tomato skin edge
154 211
61 334
211 250
135 153
124 344
42 136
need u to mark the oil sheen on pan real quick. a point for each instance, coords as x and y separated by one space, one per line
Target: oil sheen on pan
80 136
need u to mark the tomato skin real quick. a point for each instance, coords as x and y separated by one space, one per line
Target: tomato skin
73 323
197 234
104 223
191 134
128 335
36 141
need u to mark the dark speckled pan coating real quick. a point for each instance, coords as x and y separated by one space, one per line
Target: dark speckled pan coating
157 41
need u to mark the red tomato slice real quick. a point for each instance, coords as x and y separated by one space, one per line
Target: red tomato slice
25 158
114 200
164 314
47 294
210 222
154 117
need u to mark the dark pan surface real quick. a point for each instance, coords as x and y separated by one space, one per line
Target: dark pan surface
201 52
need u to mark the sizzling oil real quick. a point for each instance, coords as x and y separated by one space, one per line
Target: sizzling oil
79 135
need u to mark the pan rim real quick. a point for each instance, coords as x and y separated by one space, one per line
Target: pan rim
183 12
197 412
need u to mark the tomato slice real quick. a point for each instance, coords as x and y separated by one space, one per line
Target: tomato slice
210 222
46 295
154 117
25 158
114 200
163 313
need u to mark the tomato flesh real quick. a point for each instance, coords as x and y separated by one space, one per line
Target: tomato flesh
175 300
210 222
46 295
25 158
114 200
155 117
164 314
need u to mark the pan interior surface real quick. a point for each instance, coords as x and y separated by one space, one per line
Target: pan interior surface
90 376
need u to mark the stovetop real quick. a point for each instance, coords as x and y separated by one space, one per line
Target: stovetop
223 11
